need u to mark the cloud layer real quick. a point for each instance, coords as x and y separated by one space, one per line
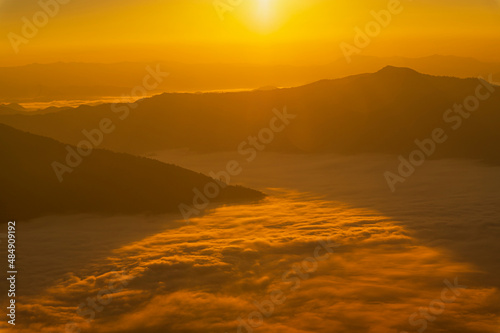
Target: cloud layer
215 274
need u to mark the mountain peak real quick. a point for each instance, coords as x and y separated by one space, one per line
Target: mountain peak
15 106
393 71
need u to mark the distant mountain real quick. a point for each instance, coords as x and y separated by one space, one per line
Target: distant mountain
9 110
104 183
60 81
440 65
15 106
383 112
4 109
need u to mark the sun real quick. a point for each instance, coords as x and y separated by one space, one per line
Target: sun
263 8
266 15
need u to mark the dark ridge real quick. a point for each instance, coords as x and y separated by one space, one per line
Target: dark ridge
105 182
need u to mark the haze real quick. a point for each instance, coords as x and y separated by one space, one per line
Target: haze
295 32
250 166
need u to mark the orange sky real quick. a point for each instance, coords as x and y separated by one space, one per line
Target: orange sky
256 31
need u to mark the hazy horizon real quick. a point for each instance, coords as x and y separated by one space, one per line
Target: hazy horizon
250 166
274 31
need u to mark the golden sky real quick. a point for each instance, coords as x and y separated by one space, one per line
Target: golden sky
256 31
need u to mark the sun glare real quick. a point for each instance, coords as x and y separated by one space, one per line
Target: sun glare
263 8
266 15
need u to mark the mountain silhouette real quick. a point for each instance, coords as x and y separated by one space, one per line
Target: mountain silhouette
104 183
87 81
381 112
9 109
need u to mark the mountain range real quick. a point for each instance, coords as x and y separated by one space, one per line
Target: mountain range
381 112
88 81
